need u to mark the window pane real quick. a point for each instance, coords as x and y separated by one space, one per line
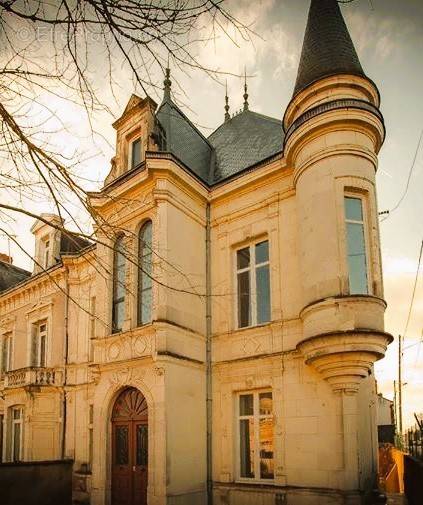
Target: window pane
246 434
142 445
246 405
244 299
355 239
145 305
243 258
353 209
358 274
265 403
262 252
119 315
357 266
266 448
136 152
16 441
144 274
263 294
43 350
17 414
121 446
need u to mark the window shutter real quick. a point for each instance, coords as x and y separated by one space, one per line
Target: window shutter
34 333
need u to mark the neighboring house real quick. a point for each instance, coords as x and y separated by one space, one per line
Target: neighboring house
220 335
385 420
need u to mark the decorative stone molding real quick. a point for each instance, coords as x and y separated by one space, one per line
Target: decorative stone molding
345 358
34 377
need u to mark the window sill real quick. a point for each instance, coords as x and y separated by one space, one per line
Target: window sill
256 482
260 325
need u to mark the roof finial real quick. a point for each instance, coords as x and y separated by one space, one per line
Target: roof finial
167 83
227 115
245 89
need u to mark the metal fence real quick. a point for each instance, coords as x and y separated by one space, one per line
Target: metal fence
413 441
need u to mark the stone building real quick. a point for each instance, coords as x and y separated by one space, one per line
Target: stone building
219 337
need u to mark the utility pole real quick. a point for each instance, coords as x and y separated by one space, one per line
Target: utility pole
400 386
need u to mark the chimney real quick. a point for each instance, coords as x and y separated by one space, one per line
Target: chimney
6 258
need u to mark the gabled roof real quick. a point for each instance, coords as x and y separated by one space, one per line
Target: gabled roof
243 141
327 47
184 140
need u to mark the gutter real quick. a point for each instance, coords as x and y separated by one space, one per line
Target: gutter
209 399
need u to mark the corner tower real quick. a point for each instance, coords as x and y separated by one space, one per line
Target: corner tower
334 131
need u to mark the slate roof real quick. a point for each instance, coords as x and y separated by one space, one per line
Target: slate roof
184 140
327 47
237 144
10 275
243 141
71 243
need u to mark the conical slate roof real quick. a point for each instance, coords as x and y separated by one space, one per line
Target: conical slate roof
327 47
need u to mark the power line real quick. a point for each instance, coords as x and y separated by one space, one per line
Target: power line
414 290
410 173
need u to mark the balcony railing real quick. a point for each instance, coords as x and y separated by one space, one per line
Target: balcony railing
33 376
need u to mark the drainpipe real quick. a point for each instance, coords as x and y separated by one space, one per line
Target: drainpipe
65 361
209 399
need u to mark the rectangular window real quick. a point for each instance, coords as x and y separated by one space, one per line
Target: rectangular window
39 344
135 153
253 284
256 436
356 246
17 434
6 353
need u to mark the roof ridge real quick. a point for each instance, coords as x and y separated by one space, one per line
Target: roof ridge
248 111
173 104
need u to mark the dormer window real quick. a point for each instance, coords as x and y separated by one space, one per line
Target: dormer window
135 153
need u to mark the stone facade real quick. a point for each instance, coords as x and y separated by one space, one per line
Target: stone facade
315 353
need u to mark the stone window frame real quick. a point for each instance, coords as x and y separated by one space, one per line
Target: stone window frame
9 335
253 284
11 438
237 447
35 317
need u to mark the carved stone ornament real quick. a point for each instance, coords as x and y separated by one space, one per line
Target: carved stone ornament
126 376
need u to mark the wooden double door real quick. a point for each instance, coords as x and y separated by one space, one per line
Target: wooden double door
130 449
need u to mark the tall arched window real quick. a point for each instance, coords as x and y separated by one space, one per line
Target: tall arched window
119 265
144 273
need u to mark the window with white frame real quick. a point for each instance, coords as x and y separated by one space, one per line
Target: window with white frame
253 284
356 245
6 353
255 435
135 152
39 344
16 434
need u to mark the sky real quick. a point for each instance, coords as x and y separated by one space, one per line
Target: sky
388 35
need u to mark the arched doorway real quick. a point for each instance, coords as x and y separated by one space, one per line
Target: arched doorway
130 449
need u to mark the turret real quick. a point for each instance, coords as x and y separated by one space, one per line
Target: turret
334 131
